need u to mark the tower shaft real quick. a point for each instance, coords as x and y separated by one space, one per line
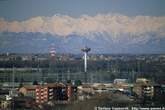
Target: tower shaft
85 61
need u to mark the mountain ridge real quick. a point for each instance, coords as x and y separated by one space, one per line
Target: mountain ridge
37 42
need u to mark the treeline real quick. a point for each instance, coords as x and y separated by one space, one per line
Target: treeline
100 65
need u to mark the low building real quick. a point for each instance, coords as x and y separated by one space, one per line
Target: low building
3 102
143 88
49 92
9 85
117 81
159 93
23 102
28 90
53 92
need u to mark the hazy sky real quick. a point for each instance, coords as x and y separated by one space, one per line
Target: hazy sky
24 9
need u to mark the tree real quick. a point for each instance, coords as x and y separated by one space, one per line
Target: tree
35 82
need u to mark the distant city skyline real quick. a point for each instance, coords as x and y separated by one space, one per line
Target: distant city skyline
120 26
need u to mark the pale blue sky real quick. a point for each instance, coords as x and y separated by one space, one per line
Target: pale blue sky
24 9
